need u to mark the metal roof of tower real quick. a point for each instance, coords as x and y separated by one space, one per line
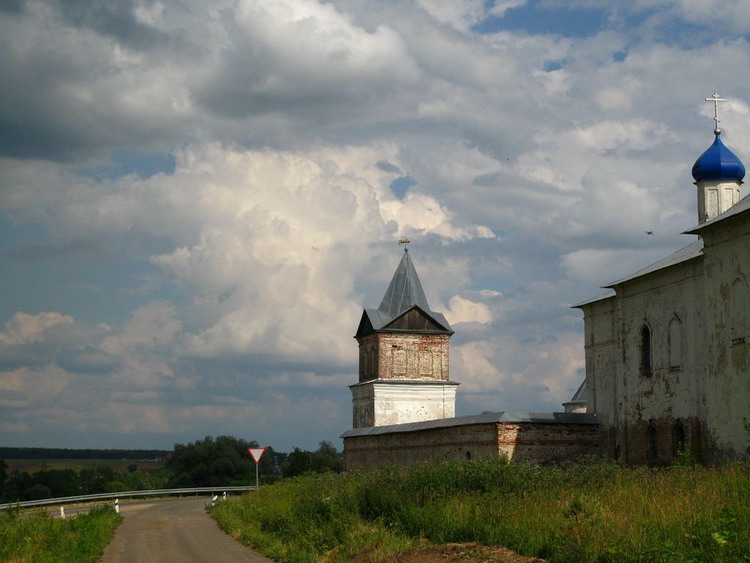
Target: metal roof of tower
404 292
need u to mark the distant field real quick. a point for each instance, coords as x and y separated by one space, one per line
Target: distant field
34 465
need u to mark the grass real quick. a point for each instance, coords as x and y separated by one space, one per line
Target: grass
592 511
40 538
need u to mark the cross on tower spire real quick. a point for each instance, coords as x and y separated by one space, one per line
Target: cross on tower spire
716 99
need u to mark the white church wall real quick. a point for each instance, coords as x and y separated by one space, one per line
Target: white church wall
631 399
727 374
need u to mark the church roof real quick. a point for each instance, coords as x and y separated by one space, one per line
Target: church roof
606 295
741 206
718 163
403 294
484 418
691 251
582 395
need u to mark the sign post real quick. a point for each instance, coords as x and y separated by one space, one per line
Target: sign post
256 454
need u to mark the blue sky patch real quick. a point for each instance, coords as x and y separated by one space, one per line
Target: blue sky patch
537 18
124 162
401 185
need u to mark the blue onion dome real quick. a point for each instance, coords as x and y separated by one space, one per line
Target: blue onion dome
718 163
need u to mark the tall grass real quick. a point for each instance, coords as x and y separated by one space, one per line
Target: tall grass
41 538
592 511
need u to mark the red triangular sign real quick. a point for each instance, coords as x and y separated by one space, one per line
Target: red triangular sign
257 453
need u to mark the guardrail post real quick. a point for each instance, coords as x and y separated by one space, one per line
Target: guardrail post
62 512
117 505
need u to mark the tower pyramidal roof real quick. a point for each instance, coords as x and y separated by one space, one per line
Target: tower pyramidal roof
403 294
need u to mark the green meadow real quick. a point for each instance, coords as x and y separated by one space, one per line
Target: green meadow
593 511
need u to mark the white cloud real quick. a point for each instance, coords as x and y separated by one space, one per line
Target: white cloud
232 285
461 14
461 310
26 329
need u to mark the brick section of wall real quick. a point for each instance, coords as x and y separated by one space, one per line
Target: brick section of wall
655 441
527 441
544 443
368 357
387 355
439 444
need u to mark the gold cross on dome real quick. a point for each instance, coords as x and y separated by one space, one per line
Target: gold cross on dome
716 99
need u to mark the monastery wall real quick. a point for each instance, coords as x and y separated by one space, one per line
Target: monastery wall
528 441
544 443
726 382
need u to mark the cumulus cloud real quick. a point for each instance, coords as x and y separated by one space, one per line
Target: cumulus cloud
461 310
219 291
26 329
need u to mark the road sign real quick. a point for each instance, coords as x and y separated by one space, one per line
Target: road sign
257 453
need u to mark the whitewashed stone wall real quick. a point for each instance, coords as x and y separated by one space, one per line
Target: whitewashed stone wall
384 402
698 388
725 385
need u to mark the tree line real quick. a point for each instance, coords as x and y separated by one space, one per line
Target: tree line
204 463
7 452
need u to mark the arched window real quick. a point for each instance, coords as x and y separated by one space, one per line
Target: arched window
678 438
653 448
675 343
740 312
645 350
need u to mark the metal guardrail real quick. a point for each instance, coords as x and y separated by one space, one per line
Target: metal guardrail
124 494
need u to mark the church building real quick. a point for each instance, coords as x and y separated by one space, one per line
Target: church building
668 348
667 353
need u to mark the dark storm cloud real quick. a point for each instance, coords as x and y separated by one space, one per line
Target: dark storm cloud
11 6
112 19
68 72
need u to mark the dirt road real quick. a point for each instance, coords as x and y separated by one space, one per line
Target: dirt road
173 530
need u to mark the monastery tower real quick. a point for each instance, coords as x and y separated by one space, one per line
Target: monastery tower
718 175
403 357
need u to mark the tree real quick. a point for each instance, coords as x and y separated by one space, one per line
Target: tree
209 462
15 485
326 458
3 473
60 482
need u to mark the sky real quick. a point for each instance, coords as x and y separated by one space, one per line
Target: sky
198 199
